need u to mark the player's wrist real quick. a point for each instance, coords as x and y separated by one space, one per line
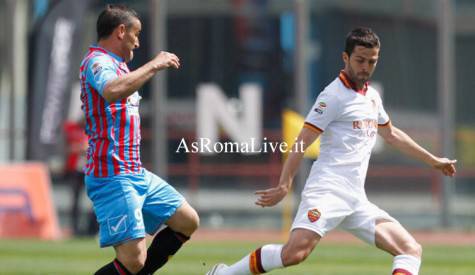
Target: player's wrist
155 67
432 161
284 187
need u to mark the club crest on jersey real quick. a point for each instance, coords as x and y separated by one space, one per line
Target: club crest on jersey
321 107
313 215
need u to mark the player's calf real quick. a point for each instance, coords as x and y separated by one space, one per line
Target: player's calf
299 247
293 255
131 255
134 264
165 244
412 248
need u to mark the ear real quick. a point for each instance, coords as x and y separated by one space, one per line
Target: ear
345 58
121 30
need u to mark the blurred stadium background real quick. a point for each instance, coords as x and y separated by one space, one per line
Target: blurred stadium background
283 52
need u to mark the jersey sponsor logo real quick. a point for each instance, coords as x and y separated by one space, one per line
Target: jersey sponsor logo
313 215
365 124
321 107
368 127
117 224
134 99
133 103
96 68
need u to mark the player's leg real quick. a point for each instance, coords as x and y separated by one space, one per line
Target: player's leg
117 200
164 205
272 256
301 243
169 240
317 215
392 237
130 258
377 227
185 220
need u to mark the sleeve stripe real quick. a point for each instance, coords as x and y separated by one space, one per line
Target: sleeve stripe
312 127
384 124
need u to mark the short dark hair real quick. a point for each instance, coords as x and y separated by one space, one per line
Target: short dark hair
361 36
111 17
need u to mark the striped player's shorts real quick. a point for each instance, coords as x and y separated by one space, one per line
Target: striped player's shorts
131 205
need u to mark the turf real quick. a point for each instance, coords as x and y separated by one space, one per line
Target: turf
84 257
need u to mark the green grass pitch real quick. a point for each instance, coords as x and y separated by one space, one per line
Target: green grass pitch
84 257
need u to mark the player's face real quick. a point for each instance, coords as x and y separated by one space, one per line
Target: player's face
131 39
361 63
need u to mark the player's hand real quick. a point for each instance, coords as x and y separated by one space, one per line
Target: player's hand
165 60
271 196
446 166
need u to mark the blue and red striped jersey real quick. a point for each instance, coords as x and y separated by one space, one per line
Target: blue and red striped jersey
113 128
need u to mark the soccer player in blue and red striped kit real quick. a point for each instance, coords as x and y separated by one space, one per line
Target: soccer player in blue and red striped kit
128 200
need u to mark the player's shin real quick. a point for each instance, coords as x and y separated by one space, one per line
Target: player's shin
113 268
164 245
260 261
406 265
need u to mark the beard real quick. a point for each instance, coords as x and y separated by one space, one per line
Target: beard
359 78
363 77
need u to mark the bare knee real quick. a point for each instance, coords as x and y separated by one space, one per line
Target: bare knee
193 223
132 259
294 256
412 248
185 220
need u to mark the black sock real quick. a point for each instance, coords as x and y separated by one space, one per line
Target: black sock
113 268
164 245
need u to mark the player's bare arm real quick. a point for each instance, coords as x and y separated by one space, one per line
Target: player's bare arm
127 84
399 139
272 196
